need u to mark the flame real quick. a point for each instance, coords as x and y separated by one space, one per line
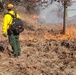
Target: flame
35 16
31 38
69 34
21 39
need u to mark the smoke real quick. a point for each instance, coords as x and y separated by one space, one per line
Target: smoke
52 13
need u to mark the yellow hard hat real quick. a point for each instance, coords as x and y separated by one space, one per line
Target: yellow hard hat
10 6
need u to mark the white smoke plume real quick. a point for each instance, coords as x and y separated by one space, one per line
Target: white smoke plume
52 13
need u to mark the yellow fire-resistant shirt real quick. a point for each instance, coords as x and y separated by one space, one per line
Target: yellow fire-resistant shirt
7 22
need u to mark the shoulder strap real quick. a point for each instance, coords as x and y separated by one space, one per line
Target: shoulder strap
13 16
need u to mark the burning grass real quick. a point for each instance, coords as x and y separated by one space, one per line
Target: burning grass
70 34
44 51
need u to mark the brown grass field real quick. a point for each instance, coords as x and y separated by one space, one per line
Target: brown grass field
44 50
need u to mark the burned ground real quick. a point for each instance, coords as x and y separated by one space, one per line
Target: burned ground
42 53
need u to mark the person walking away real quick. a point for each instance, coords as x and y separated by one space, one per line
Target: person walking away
13 37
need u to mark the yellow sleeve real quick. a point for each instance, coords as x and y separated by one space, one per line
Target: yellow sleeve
5 26
18 16
7 22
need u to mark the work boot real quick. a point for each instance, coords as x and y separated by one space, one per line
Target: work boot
19 53
15 55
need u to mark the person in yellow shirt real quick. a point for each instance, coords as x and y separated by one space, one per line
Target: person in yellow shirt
12 36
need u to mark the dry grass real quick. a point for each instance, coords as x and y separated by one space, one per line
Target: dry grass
39 56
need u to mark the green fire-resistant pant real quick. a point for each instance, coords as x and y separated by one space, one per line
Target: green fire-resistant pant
14 42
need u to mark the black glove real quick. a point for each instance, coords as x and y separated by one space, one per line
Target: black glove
4 35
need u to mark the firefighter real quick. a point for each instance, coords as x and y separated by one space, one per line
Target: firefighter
12 36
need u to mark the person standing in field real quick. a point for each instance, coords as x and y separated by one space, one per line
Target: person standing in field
13 37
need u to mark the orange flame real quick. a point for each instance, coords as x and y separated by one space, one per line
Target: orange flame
21 39
35 17
69 34
31 38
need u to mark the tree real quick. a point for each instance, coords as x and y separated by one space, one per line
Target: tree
65 3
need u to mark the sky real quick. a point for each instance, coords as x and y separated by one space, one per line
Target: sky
72 13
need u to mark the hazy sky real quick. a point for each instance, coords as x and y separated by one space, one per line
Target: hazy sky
72 12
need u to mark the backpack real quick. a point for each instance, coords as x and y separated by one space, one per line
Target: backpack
17 24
